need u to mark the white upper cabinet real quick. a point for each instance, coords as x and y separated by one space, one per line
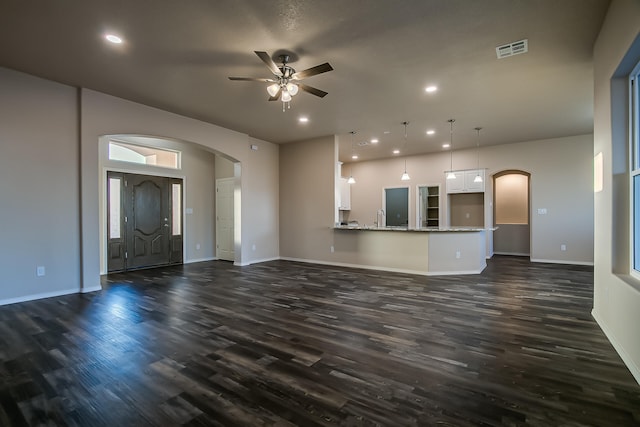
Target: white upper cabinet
345 195
464 182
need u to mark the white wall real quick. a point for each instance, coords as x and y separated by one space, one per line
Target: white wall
616 294
561 182
39 183
50 181
106 115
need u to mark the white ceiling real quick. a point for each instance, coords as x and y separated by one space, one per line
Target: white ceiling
177 56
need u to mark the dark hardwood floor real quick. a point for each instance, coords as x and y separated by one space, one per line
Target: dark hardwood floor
284 343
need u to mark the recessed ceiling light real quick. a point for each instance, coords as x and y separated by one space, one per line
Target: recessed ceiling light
396 151
112 38
303 119
374 141
386 132
446 145
354 157
431 132
431 89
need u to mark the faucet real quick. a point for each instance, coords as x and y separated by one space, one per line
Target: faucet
379 218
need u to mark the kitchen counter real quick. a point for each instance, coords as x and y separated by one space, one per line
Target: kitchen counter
427 251
419 230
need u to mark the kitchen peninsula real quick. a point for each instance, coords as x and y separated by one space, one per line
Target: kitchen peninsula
426 251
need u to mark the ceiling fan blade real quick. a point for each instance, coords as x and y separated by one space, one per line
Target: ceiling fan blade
267 60
276 96
318 69
251 79
312 90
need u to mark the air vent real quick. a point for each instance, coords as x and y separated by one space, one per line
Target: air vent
511 49
363 143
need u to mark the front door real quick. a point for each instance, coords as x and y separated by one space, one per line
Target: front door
145 225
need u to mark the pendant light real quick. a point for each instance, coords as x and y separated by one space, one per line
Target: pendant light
478 178
451 174
351 180
405 176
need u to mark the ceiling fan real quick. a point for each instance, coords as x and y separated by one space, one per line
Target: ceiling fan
286 80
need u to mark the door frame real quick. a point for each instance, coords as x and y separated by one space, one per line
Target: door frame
217 234
529 213
104 206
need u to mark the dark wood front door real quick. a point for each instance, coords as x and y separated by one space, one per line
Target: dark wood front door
150 234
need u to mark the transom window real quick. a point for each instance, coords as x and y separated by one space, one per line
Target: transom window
131 153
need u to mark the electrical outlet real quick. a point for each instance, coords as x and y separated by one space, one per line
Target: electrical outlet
253 247
563 247
197 246
332 249
458 254
40 270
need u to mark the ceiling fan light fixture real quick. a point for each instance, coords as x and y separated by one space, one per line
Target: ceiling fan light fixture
292 88
273 89
286 96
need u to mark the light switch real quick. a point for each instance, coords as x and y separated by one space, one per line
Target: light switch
542 211
189 211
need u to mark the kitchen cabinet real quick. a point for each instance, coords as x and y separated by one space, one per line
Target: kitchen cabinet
464 181
345 195
429 206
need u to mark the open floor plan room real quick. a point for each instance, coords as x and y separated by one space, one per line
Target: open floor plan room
286 343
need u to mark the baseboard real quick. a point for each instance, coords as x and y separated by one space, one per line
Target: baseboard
91 289
628 361
556 261
42 295
256 261
511 253
390 269
192 261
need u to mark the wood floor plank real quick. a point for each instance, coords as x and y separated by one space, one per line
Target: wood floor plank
284 343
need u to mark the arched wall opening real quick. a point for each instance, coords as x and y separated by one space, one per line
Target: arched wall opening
199 168
512 213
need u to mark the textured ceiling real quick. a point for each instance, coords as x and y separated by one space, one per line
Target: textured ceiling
177 56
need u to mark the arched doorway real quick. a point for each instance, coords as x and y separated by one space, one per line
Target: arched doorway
511 213
197 169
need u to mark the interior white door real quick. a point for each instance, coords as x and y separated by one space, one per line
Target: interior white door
225 248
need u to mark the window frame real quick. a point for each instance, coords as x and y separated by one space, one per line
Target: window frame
634 171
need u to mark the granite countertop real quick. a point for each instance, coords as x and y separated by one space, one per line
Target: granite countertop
397 228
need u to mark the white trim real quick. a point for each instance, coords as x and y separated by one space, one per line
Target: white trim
91 289
390 269
256 261
626 358
512 253
42 295
558 261
191 261
366 267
